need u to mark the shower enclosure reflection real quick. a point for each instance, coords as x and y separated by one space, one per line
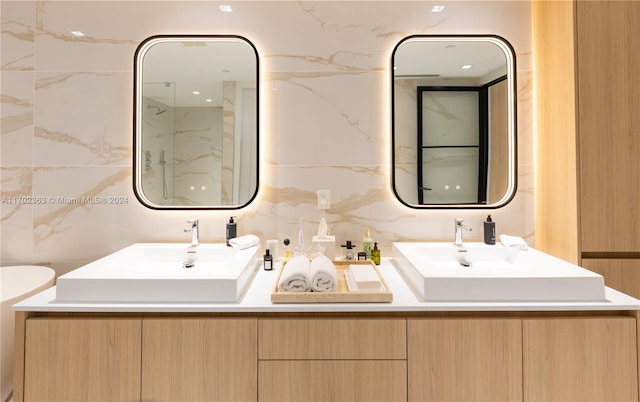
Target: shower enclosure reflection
196 136
454 121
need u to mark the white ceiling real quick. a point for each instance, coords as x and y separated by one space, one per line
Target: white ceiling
445 58
196 65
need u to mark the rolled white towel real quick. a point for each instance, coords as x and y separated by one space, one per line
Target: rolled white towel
324 277
295 275
513 242
245 241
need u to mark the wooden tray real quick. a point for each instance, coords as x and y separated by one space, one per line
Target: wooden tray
342 295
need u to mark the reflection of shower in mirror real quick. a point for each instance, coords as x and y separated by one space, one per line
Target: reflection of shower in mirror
147 160
163 162
159 111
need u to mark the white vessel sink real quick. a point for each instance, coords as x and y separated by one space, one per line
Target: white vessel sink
432 270
154 272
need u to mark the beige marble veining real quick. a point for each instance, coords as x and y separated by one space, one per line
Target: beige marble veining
324 120
101 136
18 35
16 124
79 212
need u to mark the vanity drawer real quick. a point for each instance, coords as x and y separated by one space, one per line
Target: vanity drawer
332 380
332 338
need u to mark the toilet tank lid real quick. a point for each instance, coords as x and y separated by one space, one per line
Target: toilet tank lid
22 279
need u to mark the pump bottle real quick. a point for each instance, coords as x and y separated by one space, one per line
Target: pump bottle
231 230
489 231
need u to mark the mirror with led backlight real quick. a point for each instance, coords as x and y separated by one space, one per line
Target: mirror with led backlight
196 122
454 121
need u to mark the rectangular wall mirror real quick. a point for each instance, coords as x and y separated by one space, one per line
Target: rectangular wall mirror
196 122
454 121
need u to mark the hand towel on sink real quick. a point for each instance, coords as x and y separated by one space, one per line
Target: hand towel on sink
513 241
295 275
245 241
324 277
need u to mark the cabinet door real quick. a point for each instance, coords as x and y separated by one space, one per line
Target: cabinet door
581 359
464 359
332 380
208 359
608 62
82 359
619 274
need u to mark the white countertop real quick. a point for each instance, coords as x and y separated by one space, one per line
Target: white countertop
258 299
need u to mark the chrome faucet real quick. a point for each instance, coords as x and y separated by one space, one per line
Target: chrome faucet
459 228
195 240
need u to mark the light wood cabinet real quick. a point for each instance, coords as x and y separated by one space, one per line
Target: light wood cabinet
82 359
332 338
620 274
333 380
418 357
207 359
332 359
608 62
464 359
588 131
581 359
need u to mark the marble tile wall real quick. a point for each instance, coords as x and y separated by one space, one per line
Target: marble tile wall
67 121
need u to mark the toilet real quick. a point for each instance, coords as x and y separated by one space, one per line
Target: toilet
16 284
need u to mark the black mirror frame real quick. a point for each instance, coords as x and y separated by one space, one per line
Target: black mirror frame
137 161
514 147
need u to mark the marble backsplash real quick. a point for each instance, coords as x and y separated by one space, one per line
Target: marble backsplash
67 104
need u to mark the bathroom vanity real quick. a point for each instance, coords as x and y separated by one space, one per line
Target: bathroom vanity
405 350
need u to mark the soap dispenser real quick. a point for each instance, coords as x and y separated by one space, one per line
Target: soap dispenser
375 254
489 231
231 230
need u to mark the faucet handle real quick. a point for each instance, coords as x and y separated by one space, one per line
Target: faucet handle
195 236
193 223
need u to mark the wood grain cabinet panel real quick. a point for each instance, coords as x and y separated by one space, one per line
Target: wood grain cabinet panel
464 360
82 359
619 274
608 61
332 338
332 380
581 359
212 359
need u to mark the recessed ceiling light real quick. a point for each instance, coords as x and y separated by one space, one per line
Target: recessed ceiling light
77 33
208 100
437 9
226 9
196 92
467 66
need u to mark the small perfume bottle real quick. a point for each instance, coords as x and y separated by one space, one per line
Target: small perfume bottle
287 250
268 261
347 250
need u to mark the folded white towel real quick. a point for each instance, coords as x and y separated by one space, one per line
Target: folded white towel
295 275
324 277
245 241
513 242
